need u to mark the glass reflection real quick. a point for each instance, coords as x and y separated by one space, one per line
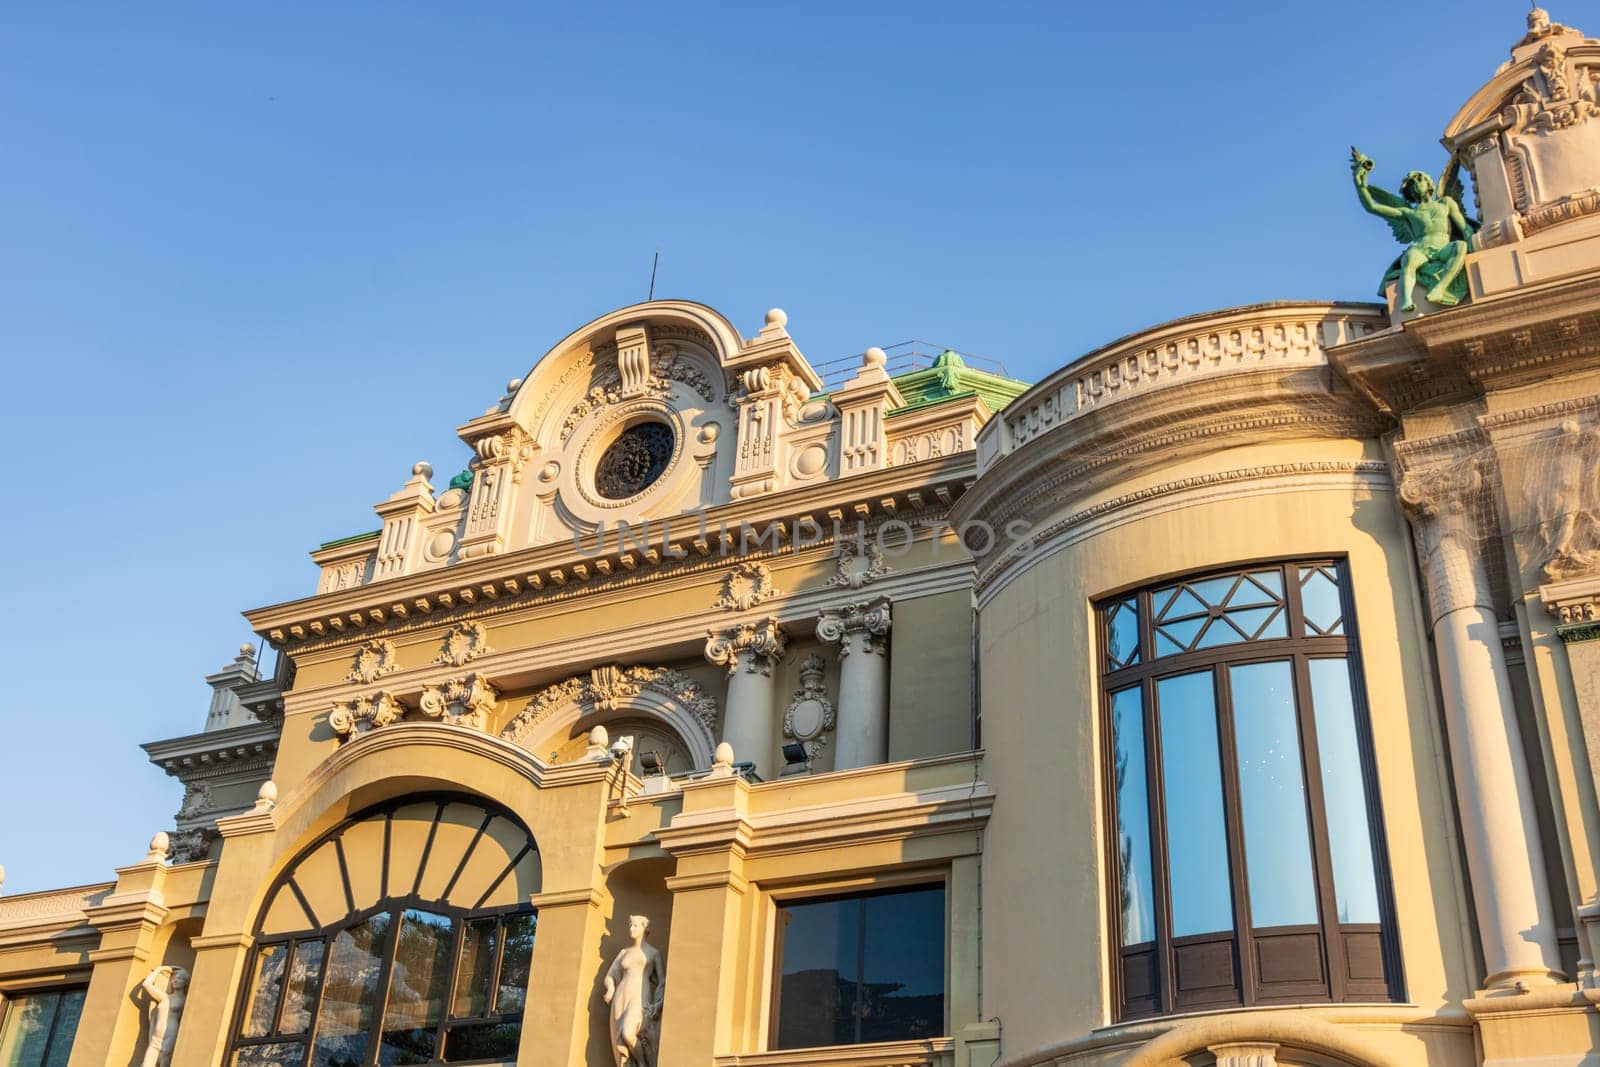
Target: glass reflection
1197 840
279 1054
350 993
1122 633
515 960
305 977
1133 818
266 984
68 1012
476 969
1319 601
418 982
1272 794
1355 883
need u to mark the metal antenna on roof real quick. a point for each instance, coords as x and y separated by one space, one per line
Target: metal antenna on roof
653 264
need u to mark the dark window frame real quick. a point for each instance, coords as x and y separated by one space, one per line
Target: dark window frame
395 906
1158 958
908 882
9 1004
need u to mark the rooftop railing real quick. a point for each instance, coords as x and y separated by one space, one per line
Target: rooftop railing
905 357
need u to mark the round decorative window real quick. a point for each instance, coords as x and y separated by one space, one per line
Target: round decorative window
633 462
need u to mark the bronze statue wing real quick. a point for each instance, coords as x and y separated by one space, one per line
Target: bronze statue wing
1405 231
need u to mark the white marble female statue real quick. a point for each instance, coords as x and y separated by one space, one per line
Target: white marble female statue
635 1008
166 1011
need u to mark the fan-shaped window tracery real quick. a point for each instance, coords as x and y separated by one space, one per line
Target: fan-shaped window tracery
401 937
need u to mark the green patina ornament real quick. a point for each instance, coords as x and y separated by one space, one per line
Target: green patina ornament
1436 233
462 480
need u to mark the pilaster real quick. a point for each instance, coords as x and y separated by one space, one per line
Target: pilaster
864 403
497 471
128 921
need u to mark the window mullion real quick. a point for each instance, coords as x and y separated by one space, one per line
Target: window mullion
1160 876
385 973
1311 761
1233 820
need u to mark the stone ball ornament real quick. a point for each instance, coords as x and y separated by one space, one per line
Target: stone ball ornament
777 317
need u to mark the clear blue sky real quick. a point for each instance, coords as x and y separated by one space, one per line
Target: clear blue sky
256 260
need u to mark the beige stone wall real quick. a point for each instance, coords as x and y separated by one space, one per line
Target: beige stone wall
1043 853
930 676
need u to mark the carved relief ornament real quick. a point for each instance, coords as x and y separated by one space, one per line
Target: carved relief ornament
744 586
1568 504
372 661
810 713
610 688
857 567
758 644
463 643
464 701
359 715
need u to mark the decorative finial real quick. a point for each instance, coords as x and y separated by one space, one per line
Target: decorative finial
425 469
599 744
874 357
513 385
247 650
777 317
722 762
160 845
2 878
267 796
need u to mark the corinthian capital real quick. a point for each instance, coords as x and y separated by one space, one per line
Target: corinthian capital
1444 505
862 626
754 645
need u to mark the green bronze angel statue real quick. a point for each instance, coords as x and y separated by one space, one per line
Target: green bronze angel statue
1435 231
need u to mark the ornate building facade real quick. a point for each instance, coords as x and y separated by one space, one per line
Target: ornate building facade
1231 696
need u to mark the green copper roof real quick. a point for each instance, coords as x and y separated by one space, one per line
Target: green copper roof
348 540
950 377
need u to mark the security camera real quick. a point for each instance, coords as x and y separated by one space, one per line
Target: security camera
621 748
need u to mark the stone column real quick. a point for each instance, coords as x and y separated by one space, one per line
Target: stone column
1492 787
861 632
749 651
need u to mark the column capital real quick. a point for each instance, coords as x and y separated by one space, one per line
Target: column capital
867 621
755 646
1443 504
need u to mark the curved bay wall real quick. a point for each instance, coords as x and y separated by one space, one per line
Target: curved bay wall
1193 466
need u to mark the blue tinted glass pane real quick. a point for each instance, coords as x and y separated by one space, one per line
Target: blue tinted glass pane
1260 623
1177 636
1319 601
27 1029
1182 605
1122 634
1272 794
817 988
1214 590
1270 587
67 1016
1355 884
1197 841
1133 818
902 966
1219 633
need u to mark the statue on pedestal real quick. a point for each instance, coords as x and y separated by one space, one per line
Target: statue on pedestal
635 1008
1436 233
165 1013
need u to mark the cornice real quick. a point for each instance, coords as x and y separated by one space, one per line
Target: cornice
1108 445
998 568
1455 355
550 572
216 753
531 664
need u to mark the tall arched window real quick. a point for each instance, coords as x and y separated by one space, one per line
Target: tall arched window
401 937
1243 821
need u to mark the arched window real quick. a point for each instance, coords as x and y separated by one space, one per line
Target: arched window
1244 865
401 937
